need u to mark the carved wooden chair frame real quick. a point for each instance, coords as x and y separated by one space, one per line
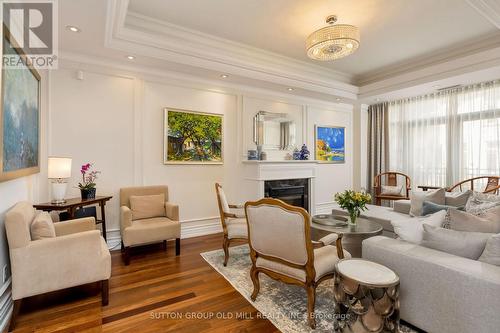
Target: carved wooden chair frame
223 216
492 185
310 284
392 180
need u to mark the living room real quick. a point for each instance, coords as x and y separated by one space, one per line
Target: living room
360 117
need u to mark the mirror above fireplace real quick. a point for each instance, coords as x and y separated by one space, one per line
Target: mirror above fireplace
274 131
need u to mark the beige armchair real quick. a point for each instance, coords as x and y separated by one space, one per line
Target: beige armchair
77 255
281 247
234 224
146 217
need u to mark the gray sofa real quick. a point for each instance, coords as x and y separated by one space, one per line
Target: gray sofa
440 292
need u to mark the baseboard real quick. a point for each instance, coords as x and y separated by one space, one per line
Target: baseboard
189 228
6 305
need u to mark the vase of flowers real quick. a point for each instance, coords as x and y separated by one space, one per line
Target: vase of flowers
354 202
87 186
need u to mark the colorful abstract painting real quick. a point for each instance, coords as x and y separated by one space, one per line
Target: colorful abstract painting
330 144
20 117
192 137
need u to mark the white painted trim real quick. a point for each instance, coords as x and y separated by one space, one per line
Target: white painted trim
6 304
489 9
325 207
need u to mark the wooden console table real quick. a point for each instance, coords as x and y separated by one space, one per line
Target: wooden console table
72 204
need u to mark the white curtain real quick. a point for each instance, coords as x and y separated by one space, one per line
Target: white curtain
443 138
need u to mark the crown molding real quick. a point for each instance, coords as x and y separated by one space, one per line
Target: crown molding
440 57
489 9
132 32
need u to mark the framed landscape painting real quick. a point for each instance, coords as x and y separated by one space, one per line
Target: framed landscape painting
330 144
20 116
192 137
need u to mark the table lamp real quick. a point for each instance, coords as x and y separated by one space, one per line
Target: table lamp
59 171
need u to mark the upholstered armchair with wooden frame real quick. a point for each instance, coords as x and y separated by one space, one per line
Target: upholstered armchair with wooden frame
279 236
146 216
234 224
391 179
77 255
492 184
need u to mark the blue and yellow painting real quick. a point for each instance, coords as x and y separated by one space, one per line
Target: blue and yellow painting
20 117
330 144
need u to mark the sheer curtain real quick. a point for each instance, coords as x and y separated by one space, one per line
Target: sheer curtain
442 138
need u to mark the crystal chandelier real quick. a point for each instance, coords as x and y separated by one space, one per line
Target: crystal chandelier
332 42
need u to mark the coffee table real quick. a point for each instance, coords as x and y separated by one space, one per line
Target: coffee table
353 235
368 293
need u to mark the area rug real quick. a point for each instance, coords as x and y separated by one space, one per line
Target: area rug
284 305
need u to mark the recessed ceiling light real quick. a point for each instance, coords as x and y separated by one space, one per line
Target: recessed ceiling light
377 99
337 99
224 76
290 89
436 86
130 57
72 28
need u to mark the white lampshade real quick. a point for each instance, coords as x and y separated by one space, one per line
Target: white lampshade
59 167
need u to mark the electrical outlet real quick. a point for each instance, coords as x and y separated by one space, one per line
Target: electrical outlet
4 273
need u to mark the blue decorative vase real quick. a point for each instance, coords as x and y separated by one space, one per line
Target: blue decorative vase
296 154
304 153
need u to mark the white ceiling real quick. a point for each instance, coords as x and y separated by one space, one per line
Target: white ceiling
393 32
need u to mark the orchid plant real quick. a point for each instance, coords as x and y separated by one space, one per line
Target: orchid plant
88 177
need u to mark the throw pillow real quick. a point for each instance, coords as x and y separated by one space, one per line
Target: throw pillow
412 230
479 203
42 227
430 208
391 190
460 243
417 199
463 221
147 206
457 199
491 253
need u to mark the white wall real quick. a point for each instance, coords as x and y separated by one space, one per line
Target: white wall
116 121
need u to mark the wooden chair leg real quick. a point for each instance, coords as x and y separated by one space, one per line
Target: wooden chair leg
105 292
311 301
177 246
225 246
164 245
15 313
254 275
126 256
122 247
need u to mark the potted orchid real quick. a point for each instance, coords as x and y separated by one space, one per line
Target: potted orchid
354 202
87 186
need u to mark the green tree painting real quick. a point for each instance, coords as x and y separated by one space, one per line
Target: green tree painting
192 137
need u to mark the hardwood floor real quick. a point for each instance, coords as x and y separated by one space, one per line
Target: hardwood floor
157 292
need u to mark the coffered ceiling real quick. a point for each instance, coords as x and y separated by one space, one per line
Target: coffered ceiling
410 41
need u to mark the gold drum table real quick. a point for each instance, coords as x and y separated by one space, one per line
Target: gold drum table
367 295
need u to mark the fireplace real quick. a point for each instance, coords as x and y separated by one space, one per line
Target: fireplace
292 191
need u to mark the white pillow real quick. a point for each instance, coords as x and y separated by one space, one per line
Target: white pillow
491 253
479 203
391 190
412 230
42 227
417 200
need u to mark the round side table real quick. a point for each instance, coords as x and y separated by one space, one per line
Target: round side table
367 295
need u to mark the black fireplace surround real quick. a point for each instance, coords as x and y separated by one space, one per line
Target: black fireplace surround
292 191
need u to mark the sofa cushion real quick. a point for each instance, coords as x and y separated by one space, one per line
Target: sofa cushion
151 230
42 227
460 243
463 221
430 208
391 190
457 199
418 197
479 203
237 228
402 206
491 253
147 206
412 230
